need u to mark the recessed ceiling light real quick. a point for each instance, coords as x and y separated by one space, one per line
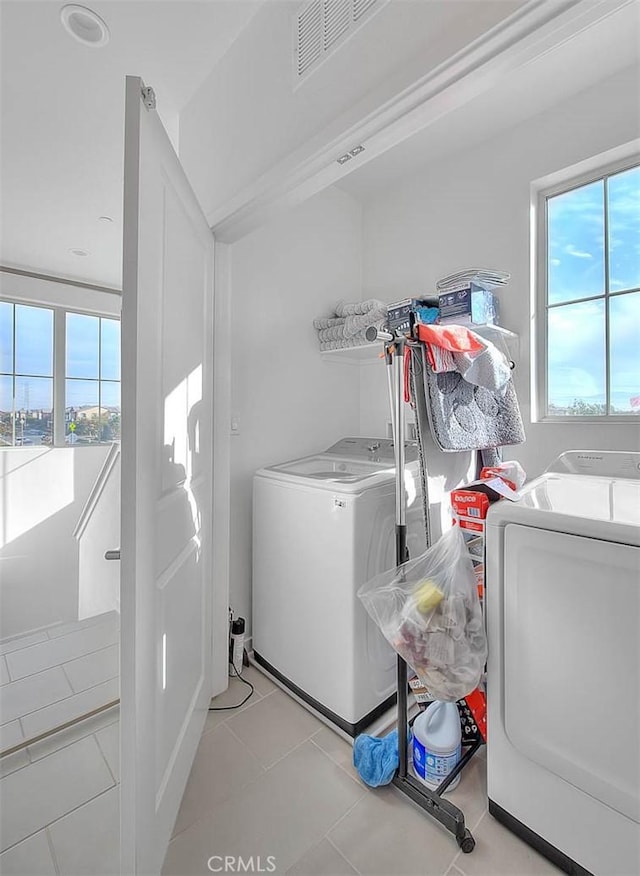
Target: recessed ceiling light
79 252
84 25
105 219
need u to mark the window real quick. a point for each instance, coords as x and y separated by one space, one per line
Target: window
59 377
591 297
26 374
92 379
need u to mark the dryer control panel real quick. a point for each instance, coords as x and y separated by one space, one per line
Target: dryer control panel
599 463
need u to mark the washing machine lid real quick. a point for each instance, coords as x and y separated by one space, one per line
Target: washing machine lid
350 465
577 496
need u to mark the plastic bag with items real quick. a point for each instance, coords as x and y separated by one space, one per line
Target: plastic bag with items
429 612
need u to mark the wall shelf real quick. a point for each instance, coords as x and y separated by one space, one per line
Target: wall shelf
367 353
361 355
490 332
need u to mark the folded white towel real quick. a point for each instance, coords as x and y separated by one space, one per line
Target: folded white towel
481 276
328 322
345 343
359 308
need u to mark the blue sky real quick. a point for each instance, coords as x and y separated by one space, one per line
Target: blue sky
34 356
576 270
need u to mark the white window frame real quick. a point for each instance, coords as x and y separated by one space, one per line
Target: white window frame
543 190
59 367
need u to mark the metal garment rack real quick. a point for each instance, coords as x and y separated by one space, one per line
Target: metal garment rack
431 801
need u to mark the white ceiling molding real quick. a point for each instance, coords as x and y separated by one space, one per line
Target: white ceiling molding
35 288
532 31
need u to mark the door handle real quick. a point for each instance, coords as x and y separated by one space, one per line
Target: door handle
112 555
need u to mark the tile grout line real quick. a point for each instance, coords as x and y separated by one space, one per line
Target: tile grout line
342 767
473 829
246 706
46 630
79 739
222 722
239 790
59 818
342 854
104 756
64 672
291 750
61 748
52 851
341 819
6 666
60 663
65 698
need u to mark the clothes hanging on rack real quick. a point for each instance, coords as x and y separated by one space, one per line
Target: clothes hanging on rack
460 414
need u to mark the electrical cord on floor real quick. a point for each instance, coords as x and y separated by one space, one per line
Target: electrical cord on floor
248 696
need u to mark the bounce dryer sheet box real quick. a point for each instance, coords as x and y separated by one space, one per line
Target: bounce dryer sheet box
468 304
470 503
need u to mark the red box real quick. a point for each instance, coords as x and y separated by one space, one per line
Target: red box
472 525
470 503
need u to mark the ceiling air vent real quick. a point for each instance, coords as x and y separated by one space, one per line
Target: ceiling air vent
361 7
337 20
309 40
323 25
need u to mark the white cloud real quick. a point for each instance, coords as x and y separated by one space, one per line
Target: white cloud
570 249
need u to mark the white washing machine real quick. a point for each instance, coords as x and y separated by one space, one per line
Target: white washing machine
563 615
322 526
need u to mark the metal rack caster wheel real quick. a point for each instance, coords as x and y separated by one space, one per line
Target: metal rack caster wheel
467 843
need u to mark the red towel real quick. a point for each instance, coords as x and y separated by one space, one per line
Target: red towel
456 338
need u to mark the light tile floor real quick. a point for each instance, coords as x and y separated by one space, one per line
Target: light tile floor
56 675
59 803
272 780
268 780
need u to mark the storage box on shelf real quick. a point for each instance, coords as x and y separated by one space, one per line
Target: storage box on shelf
470 509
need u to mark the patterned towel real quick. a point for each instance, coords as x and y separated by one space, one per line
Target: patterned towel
462 416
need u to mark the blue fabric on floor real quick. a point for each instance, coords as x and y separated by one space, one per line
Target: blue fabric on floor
376 759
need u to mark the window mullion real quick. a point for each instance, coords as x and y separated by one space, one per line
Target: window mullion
59 374
607 351
99 378
13 384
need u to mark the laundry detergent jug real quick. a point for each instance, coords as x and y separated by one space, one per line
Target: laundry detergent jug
436 743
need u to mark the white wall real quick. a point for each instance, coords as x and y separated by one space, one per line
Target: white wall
247 116
42 494
289 402
473 209
99 579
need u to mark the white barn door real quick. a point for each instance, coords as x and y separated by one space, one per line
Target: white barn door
166 538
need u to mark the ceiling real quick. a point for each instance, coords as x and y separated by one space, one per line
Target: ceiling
570 68
61 140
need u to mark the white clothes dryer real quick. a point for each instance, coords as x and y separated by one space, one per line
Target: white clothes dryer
322 526
563 622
